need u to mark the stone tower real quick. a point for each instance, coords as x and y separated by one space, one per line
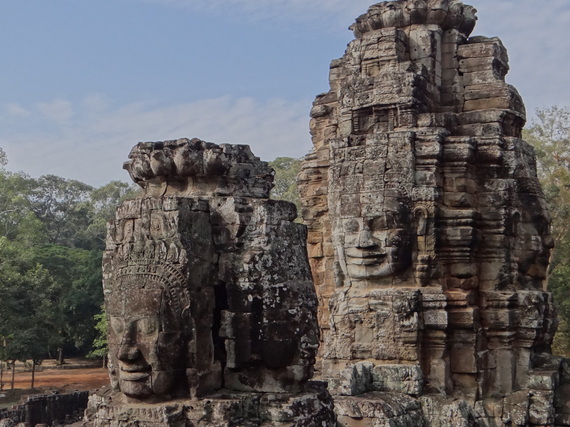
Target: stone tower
428 231
209 298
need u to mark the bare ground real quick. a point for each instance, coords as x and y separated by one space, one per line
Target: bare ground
51 379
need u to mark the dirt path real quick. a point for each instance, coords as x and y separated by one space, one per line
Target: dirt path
50 379
60 379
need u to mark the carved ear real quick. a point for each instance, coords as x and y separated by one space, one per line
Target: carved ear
421 216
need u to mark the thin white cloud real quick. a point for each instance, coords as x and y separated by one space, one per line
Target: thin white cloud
89 140
58 110
535 33
16 110
96 103
94 145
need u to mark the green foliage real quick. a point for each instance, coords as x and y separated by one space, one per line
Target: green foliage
550 135
75 291
100 345
27 310
285 188
3 158
52 233
63 207
17 220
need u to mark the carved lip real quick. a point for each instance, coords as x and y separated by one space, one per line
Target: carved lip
135 372
134 376
365 257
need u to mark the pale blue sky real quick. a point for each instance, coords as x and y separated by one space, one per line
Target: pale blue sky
83 81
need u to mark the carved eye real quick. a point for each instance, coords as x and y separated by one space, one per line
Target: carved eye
117 325
391 220
380 223
397 239
148 325
352 226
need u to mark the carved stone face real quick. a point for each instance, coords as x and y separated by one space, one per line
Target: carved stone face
534 244
309 344
378 246
295 322
145 355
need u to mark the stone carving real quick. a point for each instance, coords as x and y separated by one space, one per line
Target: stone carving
197 168
160 299
374 245
208 292
428 231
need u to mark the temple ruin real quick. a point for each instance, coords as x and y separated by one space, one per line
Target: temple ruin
419 290
429 234
209 297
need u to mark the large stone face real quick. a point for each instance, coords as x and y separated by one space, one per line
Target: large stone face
208 292
428 231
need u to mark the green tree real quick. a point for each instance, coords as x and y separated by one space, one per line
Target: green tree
52 233
285 182
3 158
27 311
75 293
63 206
17 220
100 344
549 133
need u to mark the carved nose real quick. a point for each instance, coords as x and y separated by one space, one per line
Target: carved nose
128 351
365 239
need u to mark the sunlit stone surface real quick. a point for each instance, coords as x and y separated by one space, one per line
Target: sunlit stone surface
429 234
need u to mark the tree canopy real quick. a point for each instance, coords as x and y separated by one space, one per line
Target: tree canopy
549 133
285 182
52 233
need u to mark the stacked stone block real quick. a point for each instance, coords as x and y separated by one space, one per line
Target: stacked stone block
211 306
429 233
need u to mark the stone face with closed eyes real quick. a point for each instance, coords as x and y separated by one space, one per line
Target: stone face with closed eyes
429 234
